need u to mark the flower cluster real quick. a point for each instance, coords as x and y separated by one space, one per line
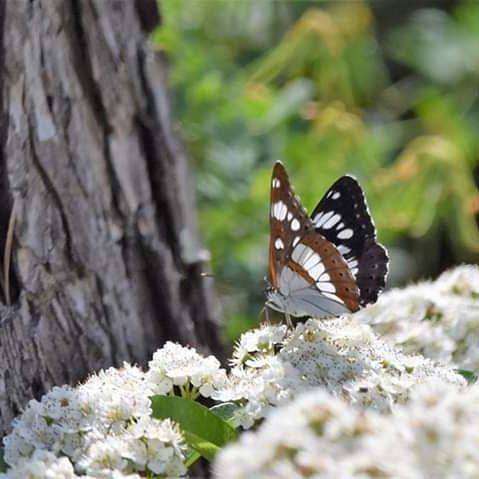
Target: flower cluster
439 319
104 425
342 355
174 365
435 434
101 426
42 464
46 465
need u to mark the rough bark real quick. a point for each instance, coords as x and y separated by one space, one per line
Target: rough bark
106 262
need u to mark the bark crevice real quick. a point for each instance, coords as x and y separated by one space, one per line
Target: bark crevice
6 202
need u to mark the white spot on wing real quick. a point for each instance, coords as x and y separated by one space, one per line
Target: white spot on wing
278 244
332 296
336 195
316 271
298 251
306 256
327 287
324 278
318 217
352 263
295 225
311 261
343 249
323 218
290 215
345 234
296 240
279 210
332 221
301 253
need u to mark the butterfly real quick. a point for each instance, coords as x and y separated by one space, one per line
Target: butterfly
327 264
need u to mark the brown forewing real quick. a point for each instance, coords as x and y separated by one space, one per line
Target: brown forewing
334 264
282 228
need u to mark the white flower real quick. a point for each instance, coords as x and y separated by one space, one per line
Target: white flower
114 397
439 319
175 365
262 340
44 424
103 456
42 465
435 434
339 354
93 426
462 281
157 446
115 475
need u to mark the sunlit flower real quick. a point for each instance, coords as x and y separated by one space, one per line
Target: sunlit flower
435 434
341 355
439 319
103 456
101 426
176 365
262 340
157 446
42 465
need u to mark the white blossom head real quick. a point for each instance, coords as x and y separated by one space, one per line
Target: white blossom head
180 366
435 434
341 355
437 319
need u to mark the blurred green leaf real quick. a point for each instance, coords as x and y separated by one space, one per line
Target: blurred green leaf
225 411
203 430
469 376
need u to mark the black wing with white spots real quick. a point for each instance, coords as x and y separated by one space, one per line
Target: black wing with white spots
342 216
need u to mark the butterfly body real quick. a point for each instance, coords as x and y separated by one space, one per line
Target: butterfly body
326 265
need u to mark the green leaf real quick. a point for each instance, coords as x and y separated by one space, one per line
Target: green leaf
470 376
203 447
3 464
204 431
225 411
191 457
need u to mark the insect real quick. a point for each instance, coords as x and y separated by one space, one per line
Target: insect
327 264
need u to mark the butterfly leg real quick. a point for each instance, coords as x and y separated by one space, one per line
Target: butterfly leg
264 312
288 320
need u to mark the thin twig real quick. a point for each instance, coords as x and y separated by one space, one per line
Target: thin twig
7 256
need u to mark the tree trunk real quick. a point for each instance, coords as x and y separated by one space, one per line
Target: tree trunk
106 262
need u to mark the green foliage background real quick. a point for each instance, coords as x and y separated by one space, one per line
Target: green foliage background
384 90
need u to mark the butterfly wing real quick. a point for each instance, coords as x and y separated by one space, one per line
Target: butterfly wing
288 221
305 268
342 216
